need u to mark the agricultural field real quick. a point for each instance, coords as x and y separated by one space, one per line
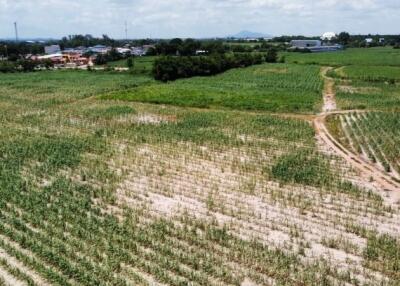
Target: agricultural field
268 87
386 74
110 178
141 64
368 87
373 135
385 56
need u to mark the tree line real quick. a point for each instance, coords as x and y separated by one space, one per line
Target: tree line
168 68
189 47
348 40
23 65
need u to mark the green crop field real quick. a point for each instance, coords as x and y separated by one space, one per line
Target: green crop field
268 87
112 178
371 73
370 86
367 95
360 57
141 64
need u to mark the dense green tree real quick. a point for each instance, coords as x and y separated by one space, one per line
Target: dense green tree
272 56
344 38
171 67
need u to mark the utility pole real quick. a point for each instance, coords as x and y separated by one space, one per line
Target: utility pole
126 31
16 31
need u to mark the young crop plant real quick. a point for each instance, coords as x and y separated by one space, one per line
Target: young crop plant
146 189
383 253
373 135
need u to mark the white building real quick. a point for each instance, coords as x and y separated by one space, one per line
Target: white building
53 49
201 52
138 51
124 51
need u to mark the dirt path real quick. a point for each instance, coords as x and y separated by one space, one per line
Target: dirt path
372 175
329 91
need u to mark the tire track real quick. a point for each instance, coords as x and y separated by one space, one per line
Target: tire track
385 183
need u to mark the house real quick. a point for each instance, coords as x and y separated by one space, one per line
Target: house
301 44
124 51
141 51
52 49
138 51
75 57
381 40
100 49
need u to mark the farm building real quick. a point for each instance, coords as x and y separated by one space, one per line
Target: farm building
326 48
316 46
305 43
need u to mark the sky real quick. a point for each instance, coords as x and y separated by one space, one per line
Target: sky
196 18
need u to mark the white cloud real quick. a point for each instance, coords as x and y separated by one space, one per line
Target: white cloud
196 18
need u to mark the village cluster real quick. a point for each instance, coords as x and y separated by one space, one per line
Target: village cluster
82 57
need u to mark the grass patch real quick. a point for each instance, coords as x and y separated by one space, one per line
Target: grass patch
302 167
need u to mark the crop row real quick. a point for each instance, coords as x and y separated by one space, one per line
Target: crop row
373 135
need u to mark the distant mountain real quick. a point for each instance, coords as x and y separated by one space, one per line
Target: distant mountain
248 34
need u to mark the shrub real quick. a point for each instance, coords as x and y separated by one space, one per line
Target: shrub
6 67
130 63
26 65
272 56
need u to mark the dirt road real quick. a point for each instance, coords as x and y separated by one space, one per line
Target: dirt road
369 172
